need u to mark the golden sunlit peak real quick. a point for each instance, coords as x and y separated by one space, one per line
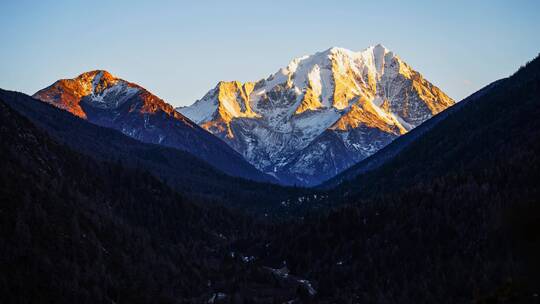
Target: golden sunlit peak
94 73
96 79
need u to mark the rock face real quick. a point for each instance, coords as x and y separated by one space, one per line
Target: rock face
320 114
105 100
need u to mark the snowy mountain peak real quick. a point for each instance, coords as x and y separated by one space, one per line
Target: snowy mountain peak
321 113
97 74
95 81
321 80
99 88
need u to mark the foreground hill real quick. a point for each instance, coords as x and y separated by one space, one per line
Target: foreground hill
320 114
111 102
453 217
77 229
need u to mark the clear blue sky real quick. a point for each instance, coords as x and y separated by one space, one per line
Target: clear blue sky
179 50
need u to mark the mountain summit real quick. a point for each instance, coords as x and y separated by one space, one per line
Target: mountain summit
111 102
321 113
101 90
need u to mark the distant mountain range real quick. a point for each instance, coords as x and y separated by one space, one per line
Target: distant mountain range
301 126
321 113
111 102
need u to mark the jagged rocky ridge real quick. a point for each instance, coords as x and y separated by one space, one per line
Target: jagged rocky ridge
320 114
111 102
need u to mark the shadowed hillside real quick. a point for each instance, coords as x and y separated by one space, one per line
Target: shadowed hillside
453 218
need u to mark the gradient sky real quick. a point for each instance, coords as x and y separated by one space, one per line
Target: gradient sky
179 50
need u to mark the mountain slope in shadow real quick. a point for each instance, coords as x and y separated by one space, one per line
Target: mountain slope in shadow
181 170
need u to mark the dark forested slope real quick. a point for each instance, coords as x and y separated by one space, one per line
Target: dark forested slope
77 229
73 229
453 218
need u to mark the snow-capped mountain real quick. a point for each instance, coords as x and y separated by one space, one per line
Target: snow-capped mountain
321 113
105 100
